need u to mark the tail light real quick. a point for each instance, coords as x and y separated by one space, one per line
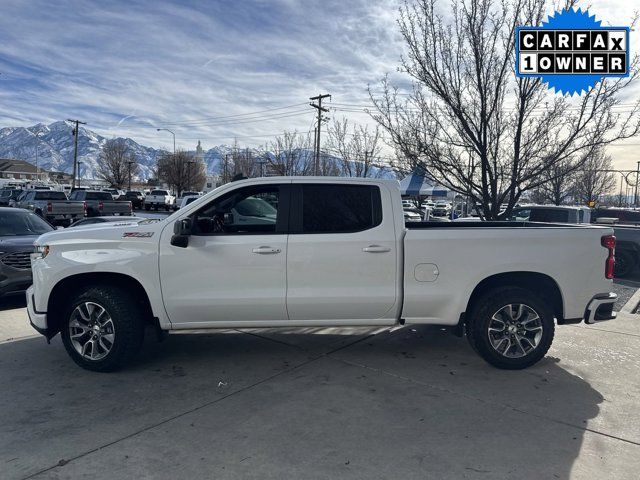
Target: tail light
101 206
609 242
49 207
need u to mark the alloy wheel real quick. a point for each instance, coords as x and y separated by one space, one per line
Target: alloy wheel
515 330
91 331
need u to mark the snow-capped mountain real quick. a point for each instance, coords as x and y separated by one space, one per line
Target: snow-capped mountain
54 144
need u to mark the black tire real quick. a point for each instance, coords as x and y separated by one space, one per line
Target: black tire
492 310
625 263
147 207
128 325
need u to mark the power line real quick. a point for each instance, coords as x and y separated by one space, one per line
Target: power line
207 119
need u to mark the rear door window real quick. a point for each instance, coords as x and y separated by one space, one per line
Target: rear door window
339 208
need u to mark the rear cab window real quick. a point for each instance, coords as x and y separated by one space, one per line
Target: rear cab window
49 195
327 208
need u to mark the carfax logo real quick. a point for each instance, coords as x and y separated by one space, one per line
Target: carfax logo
572 52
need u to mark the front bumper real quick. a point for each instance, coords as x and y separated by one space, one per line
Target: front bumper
37 319
600 308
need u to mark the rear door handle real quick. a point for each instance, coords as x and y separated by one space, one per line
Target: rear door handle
376 249
264 250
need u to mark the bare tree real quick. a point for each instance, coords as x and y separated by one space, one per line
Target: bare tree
594 179
245 163
559 182
181 172
358 148
471 123
290 154
115 161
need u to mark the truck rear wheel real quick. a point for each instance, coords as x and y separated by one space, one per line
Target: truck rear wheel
103 328
147 207
510 328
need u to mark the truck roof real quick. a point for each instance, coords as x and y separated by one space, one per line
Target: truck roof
311 179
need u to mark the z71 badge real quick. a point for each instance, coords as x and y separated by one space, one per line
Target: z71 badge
571 52
137 234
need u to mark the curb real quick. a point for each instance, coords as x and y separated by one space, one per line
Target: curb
632 304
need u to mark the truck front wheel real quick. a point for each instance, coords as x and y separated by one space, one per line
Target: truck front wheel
510 328
103 329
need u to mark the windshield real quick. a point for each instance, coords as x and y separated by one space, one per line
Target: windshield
22 223
159 192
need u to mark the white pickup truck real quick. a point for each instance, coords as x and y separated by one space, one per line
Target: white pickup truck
282 251
159 199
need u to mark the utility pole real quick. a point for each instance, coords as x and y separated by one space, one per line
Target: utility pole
129 163
79 176
224 170
75 150
320 108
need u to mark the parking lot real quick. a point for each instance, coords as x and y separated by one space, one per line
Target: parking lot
413 402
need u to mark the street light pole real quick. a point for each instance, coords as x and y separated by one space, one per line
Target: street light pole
37 135
174 137
635 196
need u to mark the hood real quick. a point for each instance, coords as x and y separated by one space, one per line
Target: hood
103 232
20 243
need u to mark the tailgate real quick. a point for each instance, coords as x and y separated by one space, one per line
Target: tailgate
66 207
116 207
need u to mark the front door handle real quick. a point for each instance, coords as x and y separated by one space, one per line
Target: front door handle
376 249
264 250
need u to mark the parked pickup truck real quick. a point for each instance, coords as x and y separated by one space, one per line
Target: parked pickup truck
52 206
333 252
159 199
101 203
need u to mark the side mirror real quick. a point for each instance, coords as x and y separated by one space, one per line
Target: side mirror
181 232
228 218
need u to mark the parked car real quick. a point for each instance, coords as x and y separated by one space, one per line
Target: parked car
115 193
19 228
136 198
551 214
52 206
159 199
335 252
441 209
186 200
623 215
113 220
178 202
14 202
101 203
412 215
9 194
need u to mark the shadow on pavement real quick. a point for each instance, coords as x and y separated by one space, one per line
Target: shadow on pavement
397 405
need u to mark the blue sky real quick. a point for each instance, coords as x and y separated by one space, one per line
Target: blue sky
128 67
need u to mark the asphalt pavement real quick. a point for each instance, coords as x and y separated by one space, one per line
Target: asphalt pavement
413 402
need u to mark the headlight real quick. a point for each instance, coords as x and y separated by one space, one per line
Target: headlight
41 252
